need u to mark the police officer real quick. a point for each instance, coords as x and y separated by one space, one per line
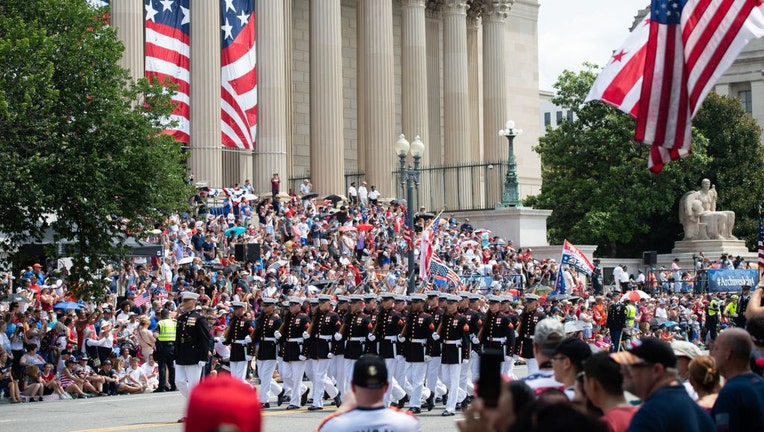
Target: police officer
527 326
267 324
324 325
295 327
454 330
387 327
165 351
417 332
631 314
712 320
238 336
193 344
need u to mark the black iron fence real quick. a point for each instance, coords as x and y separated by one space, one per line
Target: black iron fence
350 177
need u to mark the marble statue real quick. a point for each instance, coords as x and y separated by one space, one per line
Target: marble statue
699 217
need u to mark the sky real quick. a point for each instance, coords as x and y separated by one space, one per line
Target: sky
574 31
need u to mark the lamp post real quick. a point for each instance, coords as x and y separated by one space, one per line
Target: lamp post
410 178
511 196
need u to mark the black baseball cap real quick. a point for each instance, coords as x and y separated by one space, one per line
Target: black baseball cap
370 372
647 350
575 349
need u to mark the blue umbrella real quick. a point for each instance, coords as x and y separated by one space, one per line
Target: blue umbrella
67 306
235 231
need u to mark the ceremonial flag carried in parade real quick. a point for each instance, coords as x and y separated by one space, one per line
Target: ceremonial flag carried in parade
167 57
670 62
239 74
761 247
439 270
426 245
573 257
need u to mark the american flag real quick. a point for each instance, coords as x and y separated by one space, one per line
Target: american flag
167 56
98 3
142 299
670 62
761 247
426 245
239 74
439 270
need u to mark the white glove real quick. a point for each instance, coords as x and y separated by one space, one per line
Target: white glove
330 355
371 337
475 340
517 335
302 357
247 357
401 338
305 335
465 361
247 340
277 335
202 363
427 359
240 342
507 358
435 336
338 336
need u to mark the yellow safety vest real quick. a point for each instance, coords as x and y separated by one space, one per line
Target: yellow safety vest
631 313
713 308
166 330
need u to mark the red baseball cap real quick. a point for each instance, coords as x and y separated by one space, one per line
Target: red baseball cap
223 400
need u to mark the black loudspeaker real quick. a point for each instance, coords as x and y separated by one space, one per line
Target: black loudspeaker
238 252
253 252
649 258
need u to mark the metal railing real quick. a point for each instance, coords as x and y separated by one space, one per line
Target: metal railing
350 177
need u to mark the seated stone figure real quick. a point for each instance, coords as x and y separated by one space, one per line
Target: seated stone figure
698 215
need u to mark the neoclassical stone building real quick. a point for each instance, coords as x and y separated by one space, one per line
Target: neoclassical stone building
339 80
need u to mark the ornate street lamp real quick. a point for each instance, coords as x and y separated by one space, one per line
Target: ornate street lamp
511 196
410 178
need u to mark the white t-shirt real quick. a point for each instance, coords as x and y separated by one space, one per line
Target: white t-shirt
371 419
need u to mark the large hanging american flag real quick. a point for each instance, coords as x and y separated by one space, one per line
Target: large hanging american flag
760 248
669 64
167 56
98 3
239 74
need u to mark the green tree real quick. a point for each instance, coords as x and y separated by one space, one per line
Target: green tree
80 141
596 181
736 161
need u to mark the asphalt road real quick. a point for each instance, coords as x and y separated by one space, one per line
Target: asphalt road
160 412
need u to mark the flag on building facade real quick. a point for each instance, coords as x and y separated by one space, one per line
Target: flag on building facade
761 247
239 74
670 62
98 3
167 53
426 245
573 257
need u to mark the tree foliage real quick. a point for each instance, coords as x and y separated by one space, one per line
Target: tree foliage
80 141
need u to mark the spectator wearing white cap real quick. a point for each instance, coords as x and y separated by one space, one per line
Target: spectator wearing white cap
547 335
685 352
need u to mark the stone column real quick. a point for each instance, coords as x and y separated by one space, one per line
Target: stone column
434 105
271 151
127 20
495 96
379 97
473 72
361 32
206 139
757 101
327 159
457 107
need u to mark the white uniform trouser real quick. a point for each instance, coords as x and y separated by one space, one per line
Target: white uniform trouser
507 367
293 372
433 383
321 381
265 370
415 376
533 365
239 370
474 365
464 382
451 373
337 370
187 376
394 390
400 373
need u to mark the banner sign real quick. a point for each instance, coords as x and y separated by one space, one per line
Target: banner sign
731 280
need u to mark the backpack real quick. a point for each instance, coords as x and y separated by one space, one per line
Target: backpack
48 340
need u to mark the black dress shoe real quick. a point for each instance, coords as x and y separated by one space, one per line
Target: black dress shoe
415 410
182 420
466 402
309 401
446 414
458 406
430 402
402 402
445 399
292 407
173 388
281 397
315 408
337 400
326 396
265 405
304 398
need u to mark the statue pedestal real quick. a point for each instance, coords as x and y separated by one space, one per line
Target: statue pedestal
710 248
526 227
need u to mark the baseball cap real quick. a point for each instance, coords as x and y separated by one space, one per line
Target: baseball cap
685 349
370 372
223 400
646 350
575 349
549 332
